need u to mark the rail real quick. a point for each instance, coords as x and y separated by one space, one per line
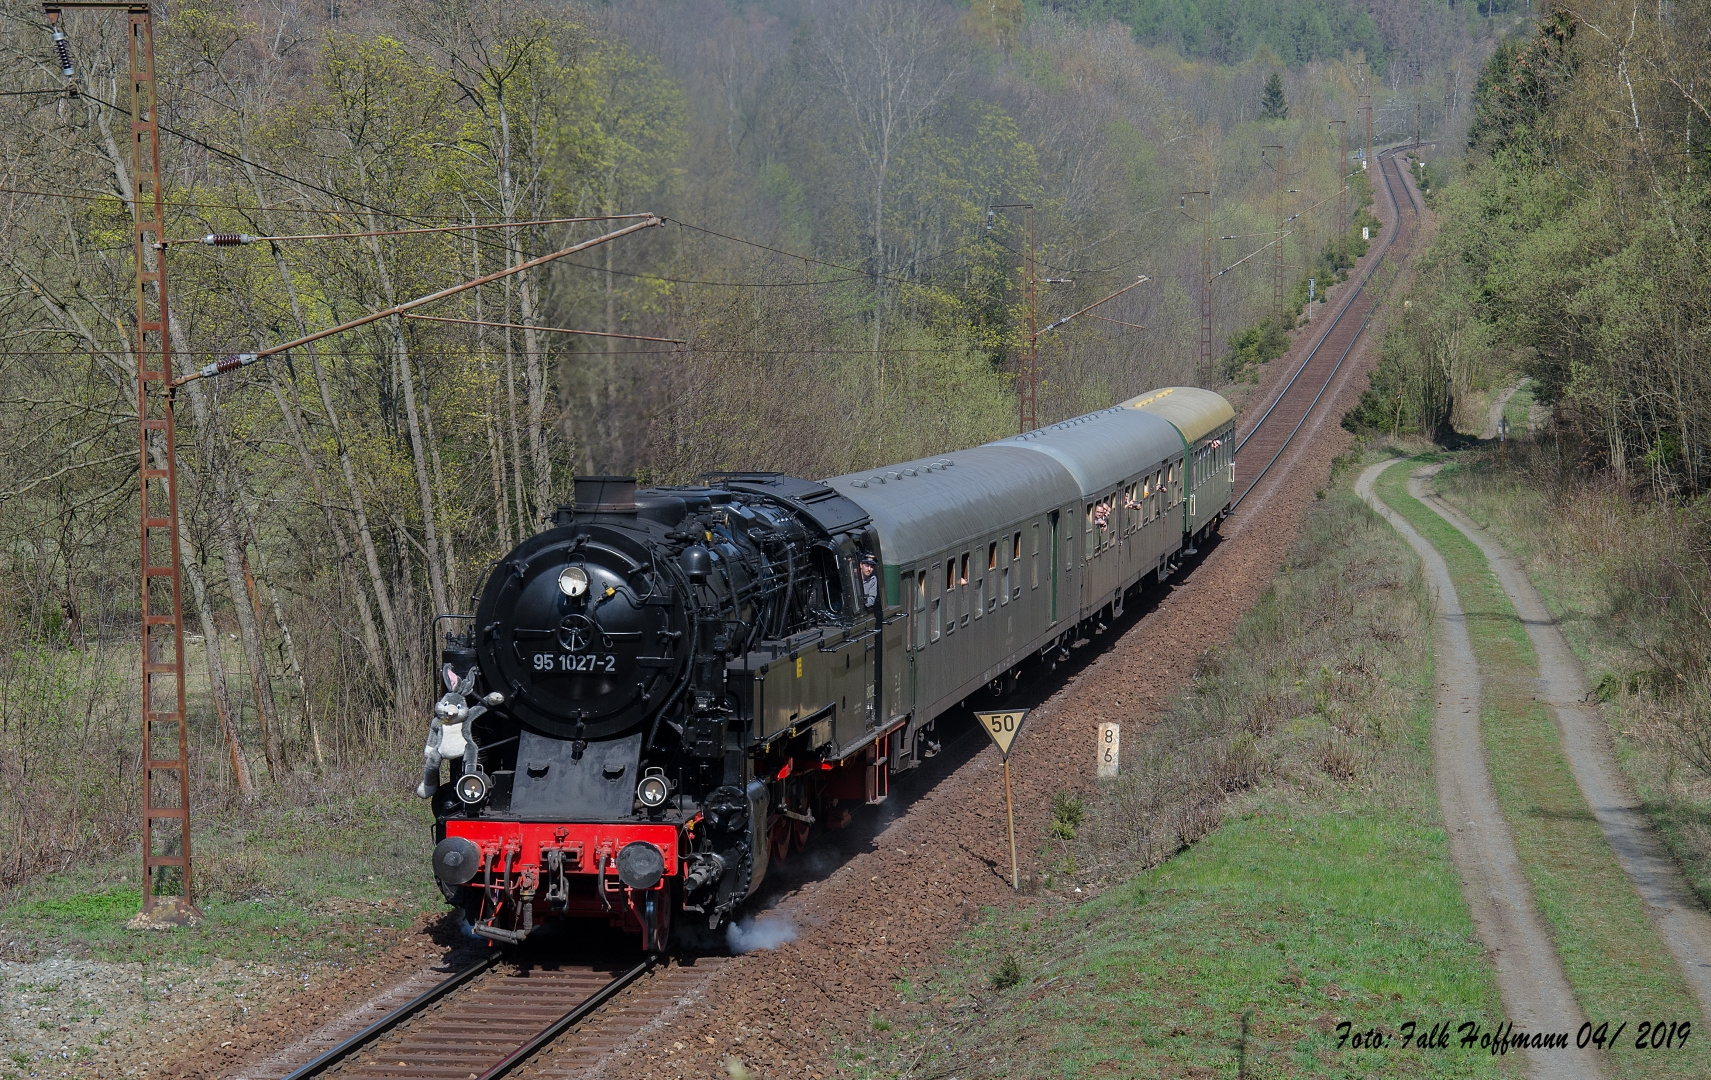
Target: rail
1342 312
537 1037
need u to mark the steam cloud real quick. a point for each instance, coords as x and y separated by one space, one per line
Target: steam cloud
751 934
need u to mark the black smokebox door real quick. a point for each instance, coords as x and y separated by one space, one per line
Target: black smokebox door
551 784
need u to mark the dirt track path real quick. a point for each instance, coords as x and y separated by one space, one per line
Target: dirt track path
1681 919
1494 414
1530 977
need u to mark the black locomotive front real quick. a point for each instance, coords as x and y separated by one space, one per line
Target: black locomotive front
599 715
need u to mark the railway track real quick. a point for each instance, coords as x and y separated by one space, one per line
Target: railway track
1260 447
557 1019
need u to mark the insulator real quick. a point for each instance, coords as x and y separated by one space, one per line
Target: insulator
230 363
227 239
64 51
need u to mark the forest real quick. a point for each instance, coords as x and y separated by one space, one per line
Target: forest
1572 249
846 195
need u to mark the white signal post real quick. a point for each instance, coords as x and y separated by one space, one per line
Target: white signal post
1003 726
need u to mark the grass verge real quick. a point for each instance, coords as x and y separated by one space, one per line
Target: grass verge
1614 958
335 880
1324 898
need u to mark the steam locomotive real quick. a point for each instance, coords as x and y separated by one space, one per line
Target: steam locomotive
665 692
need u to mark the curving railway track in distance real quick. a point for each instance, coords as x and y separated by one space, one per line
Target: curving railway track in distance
1262 444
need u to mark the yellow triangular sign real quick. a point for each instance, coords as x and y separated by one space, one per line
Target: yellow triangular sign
1003 726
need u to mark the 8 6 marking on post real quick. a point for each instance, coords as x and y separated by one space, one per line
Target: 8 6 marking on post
1107 749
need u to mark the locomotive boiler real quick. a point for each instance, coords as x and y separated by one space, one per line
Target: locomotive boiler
667 690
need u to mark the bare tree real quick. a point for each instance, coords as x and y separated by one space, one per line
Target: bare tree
890 63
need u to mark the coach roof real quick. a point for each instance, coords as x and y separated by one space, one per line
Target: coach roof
1195 412
1103 449
926 507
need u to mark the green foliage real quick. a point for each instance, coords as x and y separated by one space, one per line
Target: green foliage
1623 579
1008 973
114 905
1229 31
1273 104
1407 393
1261 343
1520 82
1067 815
1568 248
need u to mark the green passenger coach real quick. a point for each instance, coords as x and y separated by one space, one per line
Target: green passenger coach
1207 426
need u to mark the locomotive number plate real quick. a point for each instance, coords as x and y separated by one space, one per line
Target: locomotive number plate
591 662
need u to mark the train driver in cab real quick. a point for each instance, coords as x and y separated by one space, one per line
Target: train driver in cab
869 582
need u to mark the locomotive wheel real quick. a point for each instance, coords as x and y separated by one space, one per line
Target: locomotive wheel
655 915
778 837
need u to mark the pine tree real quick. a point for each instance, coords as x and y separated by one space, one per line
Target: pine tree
1273 105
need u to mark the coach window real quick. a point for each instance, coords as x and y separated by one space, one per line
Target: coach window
1034 559
980 596
921 609
950 594
962 584
938 615
992 555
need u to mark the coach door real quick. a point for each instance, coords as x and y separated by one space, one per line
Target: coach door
1054 569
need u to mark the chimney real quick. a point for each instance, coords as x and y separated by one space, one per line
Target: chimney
605 495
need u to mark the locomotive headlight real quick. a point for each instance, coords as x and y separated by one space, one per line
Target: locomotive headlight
654 789
472 788
573 581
